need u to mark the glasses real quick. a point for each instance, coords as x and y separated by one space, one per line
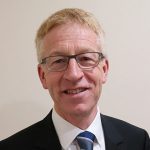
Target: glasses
86 61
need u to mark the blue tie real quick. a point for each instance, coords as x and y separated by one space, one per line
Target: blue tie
85 140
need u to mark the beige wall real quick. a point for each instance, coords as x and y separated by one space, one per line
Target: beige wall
127 92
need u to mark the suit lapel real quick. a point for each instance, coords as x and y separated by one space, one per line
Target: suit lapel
113 140
48 137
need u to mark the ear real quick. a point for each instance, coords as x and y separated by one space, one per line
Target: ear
41 74
105 68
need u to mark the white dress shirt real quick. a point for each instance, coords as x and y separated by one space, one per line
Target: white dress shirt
67 132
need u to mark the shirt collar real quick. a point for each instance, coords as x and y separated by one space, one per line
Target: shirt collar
68 132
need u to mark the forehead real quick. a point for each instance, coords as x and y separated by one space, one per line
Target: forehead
70 36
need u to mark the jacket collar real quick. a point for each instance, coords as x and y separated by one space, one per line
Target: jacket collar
48 137
113 140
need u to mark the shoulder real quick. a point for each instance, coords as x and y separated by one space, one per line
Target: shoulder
120 124
32 136
131 134
23 137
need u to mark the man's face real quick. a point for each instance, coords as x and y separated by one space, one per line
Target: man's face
74 91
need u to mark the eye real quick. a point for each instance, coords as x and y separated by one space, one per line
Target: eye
85 58
58 60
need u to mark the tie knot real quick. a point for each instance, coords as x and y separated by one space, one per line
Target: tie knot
85 140
88 135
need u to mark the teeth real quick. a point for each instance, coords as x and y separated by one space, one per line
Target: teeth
74 91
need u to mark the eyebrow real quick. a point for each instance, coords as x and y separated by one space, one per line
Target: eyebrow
63 53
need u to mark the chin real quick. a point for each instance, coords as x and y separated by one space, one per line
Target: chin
81 110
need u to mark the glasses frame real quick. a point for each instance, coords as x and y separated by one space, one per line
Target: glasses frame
101 57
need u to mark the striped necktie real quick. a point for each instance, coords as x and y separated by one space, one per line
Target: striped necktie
85 140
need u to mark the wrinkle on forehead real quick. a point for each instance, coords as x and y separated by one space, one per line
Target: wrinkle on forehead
70 33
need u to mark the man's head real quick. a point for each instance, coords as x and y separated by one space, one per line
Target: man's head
65 16
74 84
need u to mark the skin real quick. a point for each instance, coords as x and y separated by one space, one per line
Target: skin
79 108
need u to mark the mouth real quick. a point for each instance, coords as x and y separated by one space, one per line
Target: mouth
75 91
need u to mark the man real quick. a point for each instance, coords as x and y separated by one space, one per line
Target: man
73 67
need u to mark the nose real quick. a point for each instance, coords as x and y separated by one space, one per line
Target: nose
73 72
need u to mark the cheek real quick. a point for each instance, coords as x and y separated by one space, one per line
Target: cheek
95 80
98 76
53 83
98 81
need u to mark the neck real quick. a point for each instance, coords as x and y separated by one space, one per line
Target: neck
80 120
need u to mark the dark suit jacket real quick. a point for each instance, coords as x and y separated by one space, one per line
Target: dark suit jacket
119 135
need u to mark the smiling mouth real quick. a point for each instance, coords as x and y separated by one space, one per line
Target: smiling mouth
75 91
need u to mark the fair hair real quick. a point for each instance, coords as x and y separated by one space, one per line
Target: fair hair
73 15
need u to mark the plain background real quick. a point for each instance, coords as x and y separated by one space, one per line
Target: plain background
126 95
